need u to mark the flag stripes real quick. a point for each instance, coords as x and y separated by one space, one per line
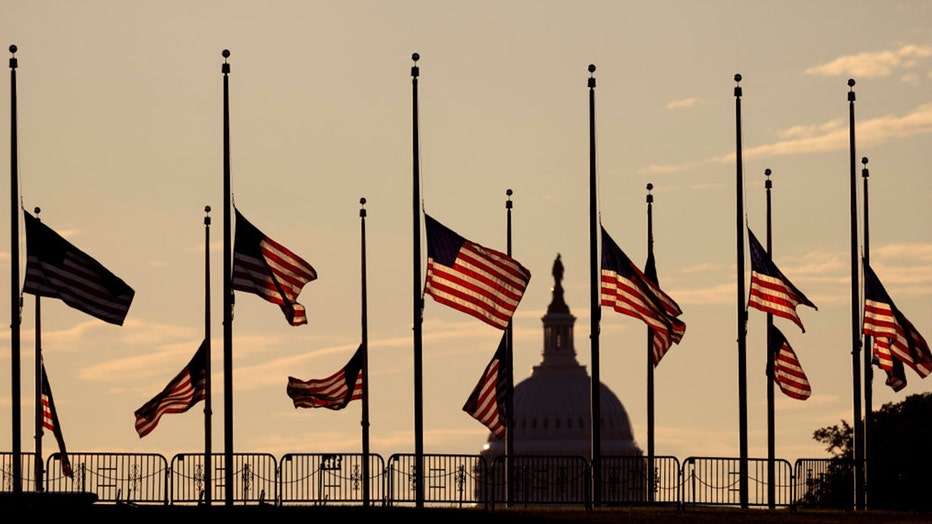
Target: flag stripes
266 268
488 401
771 291
884 322
184 391
333 392
893 367
57 269
787 371
661 341
50 422
468 277
630 292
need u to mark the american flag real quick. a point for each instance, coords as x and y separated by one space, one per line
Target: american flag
57 269
50 422
630 292
489 399
184 391
476 280
893 367
333 392
661 341
771 291
268 269
787 371
883 321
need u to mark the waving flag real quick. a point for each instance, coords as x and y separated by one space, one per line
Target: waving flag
268 269
630 292
883 321
57 269
787 371
893 367
476 280
184 391
488 401
771 292
50 422
333 392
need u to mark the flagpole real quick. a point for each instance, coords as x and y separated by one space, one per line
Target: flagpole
227 293
509 367
208 487
855 309
594 305
40 416
742 314
771 351
365 356
418 301
14 286
650 358
868 353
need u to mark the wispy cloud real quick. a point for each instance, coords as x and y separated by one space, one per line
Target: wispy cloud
686 102
874 64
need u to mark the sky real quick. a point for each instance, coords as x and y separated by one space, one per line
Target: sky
120 143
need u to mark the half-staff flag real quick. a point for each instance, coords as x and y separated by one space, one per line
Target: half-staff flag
630 292
268 269
476 280
50 422
489 399
184 391
661 340
333 392
787 371
771 291
57 269
883 321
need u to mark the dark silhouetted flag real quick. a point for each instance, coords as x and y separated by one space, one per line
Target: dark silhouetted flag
476 280
333 392
630 292
661 340
57 269
771 292
787 371
882 320
184 391
893 367
268 269
489 399
50 422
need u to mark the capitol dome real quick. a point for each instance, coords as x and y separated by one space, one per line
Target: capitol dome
552 407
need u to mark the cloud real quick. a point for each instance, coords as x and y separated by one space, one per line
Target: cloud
686 102
874 64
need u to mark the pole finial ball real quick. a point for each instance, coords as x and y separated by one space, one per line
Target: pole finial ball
850 82
362 200
207 209
737 77
767 172
650 186
592 68
415 57
12 48
36 210
509 192
864 160
226 53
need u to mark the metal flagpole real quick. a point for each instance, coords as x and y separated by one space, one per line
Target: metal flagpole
855 317
650 358
365 355
418 301
38 467
227 293
594 305
15 301
771 353
208 431
742 313
868 354
509 366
